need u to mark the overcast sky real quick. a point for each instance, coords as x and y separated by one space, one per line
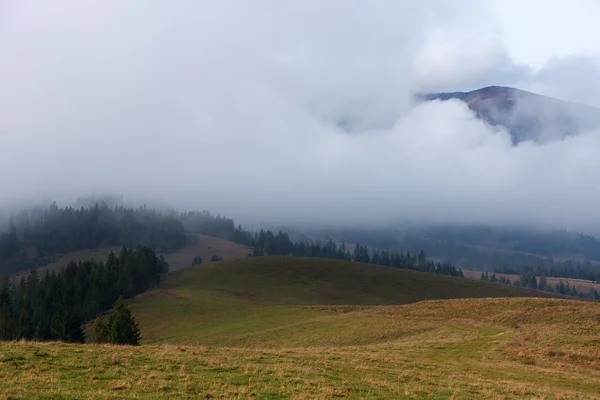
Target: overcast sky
235 106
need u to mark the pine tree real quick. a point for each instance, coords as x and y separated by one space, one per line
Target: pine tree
123 328
66 326
7 318
59 321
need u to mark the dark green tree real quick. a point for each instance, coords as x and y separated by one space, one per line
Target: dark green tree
123 328
7 317
66 326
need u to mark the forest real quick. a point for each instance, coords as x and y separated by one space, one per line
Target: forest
55 306
35 237
38 236
480 247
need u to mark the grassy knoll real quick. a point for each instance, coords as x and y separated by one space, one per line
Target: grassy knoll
249 302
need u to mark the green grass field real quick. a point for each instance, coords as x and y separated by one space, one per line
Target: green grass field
248 302
278 328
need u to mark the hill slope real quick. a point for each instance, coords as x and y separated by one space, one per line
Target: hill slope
301 281
526 115
252 302
465 348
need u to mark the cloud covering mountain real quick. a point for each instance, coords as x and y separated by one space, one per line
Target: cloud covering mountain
526 116
243 109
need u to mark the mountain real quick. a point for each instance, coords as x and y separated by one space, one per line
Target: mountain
526 115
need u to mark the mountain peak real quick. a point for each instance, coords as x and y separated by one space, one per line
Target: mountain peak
527 116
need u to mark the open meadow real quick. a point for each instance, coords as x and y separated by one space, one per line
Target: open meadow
278 328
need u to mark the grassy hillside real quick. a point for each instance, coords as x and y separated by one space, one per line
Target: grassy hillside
451 349
254 302
301 328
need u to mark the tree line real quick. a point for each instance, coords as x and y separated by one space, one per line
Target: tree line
476 248
532 280
55 306
36 237
266 242
564 269
269 243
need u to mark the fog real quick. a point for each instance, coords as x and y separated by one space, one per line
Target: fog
283 112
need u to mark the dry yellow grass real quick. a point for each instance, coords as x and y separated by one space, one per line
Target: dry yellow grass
450 349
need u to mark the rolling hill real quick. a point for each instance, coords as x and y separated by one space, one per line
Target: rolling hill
245 302
282 327
448 349
526 115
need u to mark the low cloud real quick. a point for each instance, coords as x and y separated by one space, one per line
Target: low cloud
282 112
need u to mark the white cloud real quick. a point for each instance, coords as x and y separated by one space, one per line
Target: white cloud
575 78
237 108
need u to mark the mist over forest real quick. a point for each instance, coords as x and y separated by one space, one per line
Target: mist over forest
273 114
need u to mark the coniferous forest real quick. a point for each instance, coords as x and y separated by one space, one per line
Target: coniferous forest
55 306
35 237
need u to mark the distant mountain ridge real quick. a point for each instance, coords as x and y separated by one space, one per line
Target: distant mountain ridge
526 115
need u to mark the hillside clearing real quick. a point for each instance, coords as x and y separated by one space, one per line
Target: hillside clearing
206 247
202 245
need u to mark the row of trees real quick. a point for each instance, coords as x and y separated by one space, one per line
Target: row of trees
269 243
529 279
266 242
481 247
54 307
36 237
564 269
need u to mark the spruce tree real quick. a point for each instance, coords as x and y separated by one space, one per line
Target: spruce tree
123 328
7 318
